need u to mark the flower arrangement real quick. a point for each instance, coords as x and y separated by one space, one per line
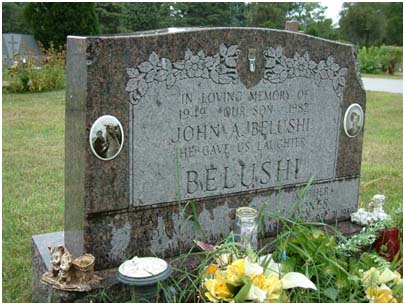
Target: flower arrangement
375 214
310 262
249 278
382 286
385 228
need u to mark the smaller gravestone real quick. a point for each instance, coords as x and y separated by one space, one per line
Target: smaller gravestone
19 47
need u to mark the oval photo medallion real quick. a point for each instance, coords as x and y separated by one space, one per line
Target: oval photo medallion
106 137
353 120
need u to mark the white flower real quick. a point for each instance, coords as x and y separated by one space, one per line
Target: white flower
361 217
256 294
252 268
387 275
296 279
270 265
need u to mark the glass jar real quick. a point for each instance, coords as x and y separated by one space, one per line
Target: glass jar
246 227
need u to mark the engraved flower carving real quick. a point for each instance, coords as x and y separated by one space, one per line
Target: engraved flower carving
220 68
195 64
303 66
278 68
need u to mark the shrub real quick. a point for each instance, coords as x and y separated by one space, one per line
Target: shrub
369 60
380 59
27 76
390 58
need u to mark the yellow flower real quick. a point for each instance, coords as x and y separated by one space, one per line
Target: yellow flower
397 279
235 271
380 294
217 289
271 285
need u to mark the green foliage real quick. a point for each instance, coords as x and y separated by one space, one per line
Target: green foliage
110 17
29 77
380 59
323 28
13 18
199 14
52 22
274 15
141 16
306 12
391 57
394 16
362 23
367 24
369 59
271 15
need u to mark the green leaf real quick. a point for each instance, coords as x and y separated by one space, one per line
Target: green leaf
331 293
232 288
230 238
243 292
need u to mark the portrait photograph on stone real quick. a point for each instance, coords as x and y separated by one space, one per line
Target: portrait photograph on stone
189 152
106 136
353 121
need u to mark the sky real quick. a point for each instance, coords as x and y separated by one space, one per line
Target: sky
333 9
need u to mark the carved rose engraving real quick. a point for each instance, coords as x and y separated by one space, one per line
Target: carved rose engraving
278 68
220 68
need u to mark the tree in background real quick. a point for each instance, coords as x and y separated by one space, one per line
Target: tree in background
52 21
306 13
13 18
269 15
140 16
238 13
394 16
110 17
199 14
312 20
362 23
323 28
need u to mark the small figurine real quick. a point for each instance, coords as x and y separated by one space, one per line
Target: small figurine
377 206
65 274
56 256
68 274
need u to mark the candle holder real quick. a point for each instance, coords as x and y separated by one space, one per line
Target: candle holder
144 273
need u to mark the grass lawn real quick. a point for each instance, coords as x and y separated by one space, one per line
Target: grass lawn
33 176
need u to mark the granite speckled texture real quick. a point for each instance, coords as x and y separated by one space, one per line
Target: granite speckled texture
100 217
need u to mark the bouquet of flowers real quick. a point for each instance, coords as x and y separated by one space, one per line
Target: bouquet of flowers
249 278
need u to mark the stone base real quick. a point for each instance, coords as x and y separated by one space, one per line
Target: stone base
109 289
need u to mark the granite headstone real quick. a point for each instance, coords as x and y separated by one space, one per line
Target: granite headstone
222 117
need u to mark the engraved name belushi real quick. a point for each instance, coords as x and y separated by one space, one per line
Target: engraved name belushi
222 137
251 126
